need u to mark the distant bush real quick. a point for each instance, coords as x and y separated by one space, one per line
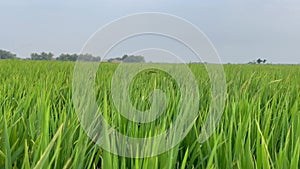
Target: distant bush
42 56
82 57
7 55
128 59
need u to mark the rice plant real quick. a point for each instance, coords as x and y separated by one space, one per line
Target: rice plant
39 128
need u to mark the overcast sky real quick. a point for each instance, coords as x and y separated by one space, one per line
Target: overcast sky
240 30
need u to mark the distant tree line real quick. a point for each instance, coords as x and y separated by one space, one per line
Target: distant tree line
126 58
70 57
41 56
82 57
50 56
86 57
64 57
258 61
7 55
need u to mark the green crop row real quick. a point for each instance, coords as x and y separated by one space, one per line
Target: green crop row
259 128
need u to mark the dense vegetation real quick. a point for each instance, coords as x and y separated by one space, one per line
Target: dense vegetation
260 127
7 55
4 54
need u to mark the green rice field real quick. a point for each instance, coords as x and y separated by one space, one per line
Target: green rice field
259 128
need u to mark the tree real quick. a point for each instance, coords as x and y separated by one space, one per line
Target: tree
7 55
128 59
75 57
259 61
42 56
118 59
67 57
124 57
132 58
89 57
264 61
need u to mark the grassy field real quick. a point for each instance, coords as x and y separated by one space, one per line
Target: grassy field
260 126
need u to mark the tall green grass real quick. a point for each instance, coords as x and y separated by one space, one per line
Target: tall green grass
260 126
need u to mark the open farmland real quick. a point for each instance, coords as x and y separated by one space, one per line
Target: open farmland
260 126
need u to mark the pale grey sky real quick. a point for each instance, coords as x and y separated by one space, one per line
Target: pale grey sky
240 30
